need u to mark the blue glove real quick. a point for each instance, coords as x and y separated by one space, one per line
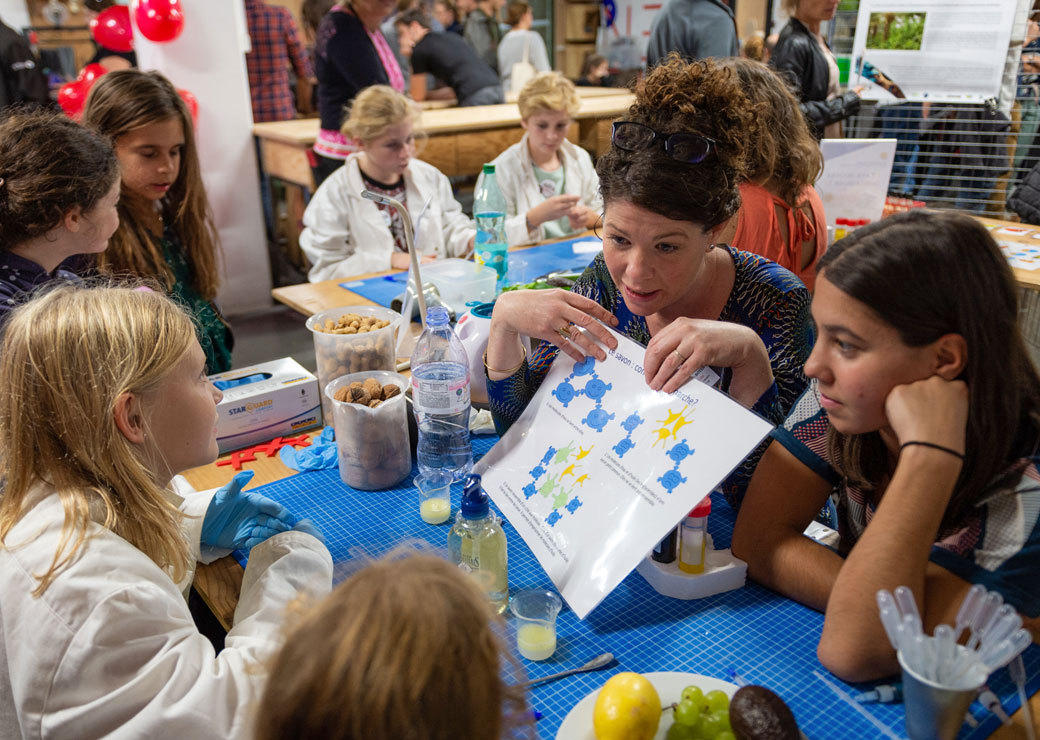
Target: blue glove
319 455
240 520
305 525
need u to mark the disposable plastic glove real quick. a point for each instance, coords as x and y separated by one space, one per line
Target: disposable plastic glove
305 525
238 520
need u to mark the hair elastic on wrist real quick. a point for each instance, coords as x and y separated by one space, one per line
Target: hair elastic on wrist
958 455
523 358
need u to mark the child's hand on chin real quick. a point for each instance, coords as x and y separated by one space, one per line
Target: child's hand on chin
932 410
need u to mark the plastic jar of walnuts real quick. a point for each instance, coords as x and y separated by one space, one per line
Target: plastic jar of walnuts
352 339
371 421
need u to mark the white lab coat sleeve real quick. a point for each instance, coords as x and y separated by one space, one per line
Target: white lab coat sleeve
138 666
327 239
459 230
590 194
510 175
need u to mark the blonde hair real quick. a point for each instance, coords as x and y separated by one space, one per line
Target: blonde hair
377 108
67 355
406 647
548 91
121 102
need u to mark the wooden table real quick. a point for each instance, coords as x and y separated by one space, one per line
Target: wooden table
1028 282
459 140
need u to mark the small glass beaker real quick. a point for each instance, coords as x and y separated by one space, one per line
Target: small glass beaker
434 497
535 610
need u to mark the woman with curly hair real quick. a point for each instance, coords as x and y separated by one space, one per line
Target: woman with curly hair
781 215
669 185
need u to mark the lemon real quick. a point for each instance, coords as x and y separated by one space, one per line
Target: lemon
627 708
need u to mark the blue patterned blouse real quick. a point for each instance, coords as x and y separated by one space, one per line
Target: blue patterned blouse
766 298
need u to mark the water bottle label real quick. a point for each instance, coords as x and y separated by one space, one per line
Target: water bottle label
441 396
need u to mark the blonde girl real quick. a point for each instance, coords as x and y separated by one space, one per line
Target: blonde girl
106 400
346 235
374 661
166 228
550 186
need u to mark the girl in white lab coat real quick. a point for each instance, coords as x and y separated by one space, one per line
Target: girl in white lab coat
550 186
346 235
105 400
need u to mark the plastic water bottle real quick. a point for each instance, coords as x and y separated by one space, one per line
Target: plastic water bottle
440 395
489 210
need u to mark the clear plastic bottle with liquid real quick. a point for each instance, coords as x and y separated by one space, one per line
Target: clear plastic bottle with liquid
489 211
477 544
440 396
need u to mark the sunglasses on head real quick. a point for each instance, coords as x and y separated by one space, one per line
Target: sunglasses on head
630 136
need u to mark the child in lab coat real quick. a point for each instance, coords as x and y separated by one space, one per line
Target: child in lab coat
406 647
550 186
105 401
346 235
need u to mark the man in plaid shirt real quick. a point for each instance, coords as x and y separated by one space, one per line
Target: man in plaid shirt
275 42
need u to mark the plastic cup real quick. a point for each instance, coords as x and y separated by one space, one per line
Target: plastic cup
535 610
935 709
434 497
372 443
337 355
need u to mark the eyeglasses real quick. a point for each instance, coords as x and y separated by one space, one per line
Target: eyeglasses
630 136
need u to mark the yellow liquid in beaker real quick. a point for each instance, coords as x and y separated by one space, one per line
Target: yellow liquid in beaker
536 641
434 510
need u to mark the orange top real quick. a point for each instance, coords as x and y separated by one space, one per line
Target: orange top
759 229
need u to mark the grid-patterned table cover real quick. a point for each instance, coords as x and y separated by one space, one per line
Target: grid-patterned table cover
524 266
768 639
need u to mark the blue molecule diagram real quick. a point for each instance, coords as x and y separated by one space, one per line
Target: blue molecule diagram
594 389
557 479
630 424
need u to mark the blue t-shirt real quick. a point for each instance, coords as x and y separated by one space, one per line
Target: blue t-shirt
996 545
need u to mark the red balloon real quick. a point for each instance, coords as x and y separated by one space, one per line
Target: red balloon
193 106
159 20
112 30
71 97
90 73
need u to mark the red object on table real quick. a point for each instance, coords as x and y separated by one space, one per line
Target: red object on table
268 448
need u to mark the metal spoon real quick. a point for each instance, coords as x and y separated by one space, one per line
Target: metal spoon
600 661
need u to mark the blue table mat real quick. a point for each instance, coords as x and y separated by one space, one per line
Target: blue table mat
524 266
768 639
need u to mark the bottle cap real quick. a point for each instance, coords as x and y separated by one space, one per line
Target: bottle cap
703 508
489 169
475 503
436 316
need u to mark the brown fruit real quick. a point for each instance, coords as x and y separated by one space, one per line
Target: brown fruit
756 713
389 391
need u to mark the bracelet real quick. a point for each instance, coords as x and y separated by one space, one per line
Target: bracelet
519 365
958 455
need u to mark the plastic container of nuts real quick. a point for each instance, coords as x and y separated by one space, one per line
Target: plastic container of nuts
352 339
371 421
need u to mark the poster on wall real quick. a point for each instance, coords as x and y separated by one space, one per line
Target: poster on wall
855 177
946 51
626 31
599 467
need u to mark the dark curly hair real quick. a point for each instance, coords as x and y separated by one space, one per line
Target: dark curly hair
785 153
49 165
699 97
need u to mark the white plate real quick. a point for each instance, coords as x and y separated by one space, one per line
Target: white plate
577 725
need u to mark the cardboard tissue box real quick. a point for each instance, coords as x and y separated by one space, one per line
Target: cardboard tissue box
272 399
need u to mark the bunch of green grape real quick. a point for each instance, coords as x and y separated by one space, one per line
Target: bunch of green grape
700 716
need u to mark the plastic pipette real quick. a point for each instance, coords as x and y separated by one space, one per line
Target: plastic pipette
890 619
945 650
1002 628
883 694
972 601
992 702
1017 669
999 655
907 604
982 616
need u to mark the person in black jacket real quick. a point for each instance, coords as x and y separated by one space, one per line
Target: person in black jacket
802 56
21 79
